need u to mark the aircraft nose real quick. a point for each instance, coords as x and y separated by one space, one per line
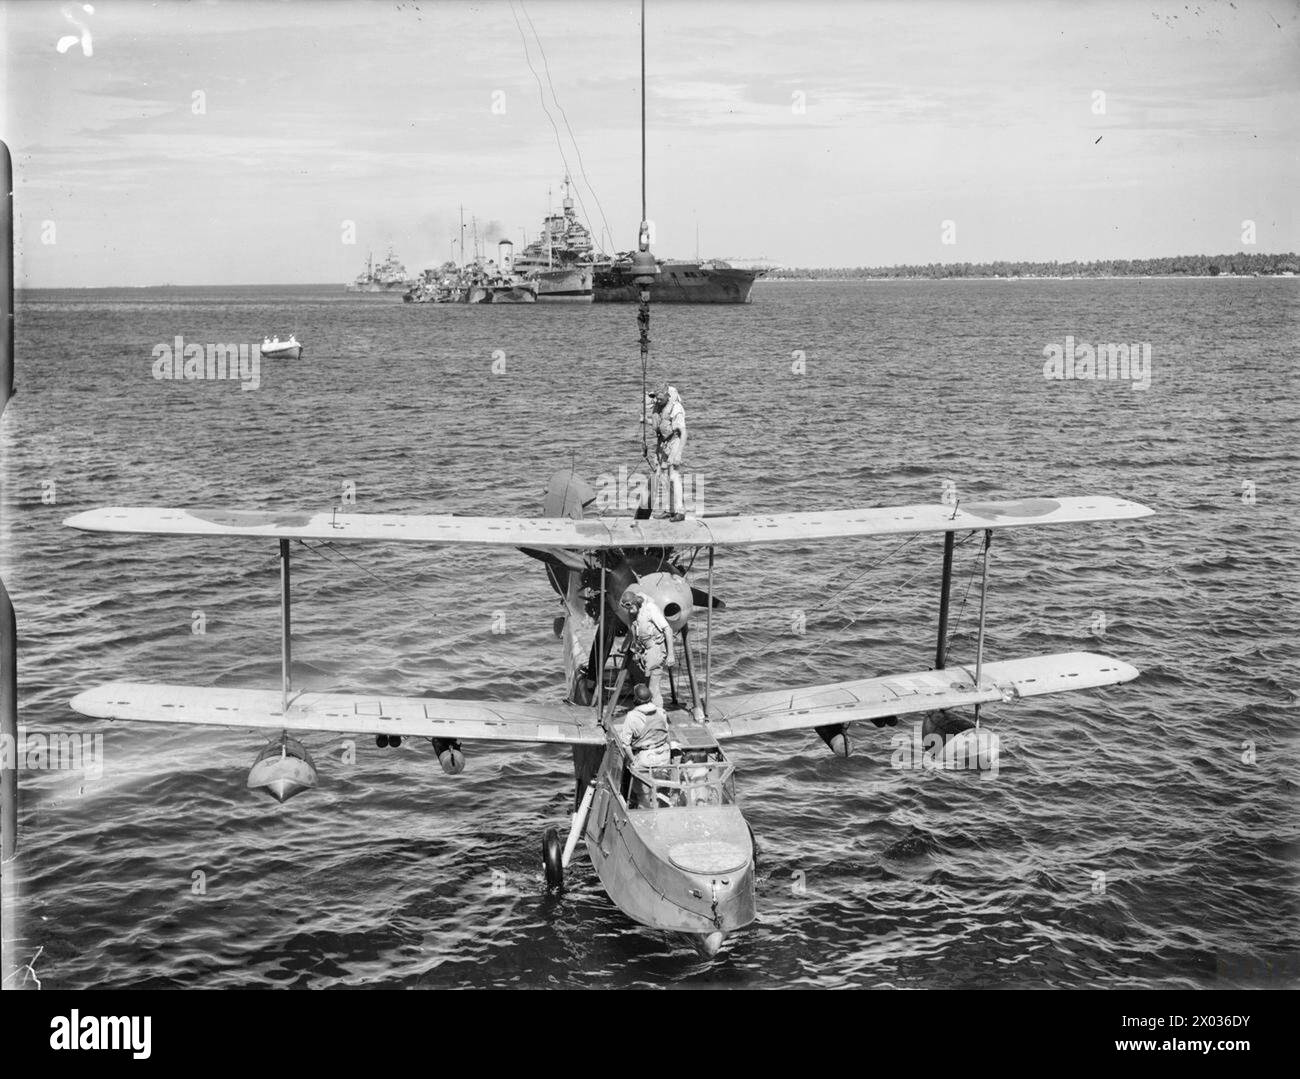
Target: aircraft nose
283 789
282 769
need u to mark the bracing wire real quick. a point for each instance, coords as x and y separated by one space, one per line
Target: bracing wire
874 565
965 595
898 588
320 549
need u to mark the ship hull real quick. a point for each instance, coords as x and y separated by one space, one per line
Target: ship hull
681 282
375 286
512 294
524 293
565 285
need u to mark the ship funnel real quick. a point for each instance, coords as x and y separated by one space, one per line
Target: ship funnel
505 256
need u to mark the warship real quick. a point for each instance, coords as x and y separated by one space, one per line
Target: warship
678 281
388 276
482 281
561 260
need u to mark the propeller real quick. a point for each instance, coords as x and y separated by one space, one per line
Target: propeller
701 599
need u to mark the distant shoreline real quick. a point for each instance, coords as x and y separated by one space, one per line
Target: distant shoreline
1236 264
1030 277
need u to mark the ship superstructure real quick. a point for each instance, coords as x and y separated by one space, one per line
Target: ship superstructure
387 276
561 260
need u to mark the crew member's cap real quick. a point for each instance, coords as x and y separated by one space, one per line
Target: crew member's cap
641 693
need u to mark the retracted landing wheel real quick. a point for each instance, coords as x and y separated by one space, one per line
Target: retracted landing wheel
753 844
553 858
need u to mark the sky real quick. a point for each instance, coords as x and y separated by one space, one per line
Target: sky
271 141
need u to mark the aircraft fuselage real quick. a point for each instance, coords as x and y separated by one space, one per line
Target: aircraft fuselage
669 844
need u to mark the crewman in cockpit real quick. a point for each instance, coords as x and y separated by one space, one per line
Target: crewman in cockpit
670 435
645 733
652 640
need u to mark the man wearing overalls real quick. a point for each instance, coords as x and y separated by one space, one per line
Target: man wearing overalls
651 640
670 435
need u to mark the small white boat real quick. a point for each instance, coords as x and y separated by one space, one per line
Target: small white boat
273 346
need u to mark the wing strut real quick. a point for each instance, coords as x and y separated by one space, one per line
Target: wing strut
284 624
941 649
600 649
708 637
979 641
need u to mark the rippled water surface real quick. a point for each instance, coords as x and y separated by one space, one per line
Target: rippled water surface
1128 838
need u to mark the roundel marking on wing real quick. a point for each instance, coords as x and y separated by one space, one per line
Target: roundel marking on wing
1026 507
241 518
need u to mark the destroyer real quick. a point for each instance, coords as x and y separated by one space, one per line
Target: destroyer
388 276
482 281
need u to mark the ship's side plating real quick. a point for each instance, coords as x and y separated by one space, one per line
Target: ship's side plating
678 282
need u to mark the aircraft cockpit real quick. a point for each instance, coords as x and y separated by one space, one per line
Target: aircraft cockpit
694 777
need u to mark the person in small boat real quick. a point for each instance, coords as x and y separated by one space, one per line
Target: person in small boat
645 733
652 640
670 442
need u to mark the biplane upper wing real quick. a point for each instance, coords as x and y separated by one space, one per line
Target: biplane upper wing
603 532
343 713
924 691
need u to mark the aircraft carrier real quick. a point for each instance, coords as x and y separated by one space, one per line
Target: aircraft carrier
680 281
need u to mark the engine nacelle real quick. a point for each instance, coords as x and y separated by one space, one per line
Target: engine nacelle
670 592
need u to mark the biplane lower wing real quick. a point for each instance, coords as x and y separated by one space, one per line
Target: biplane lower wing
548 533
519 721
343 713
900 694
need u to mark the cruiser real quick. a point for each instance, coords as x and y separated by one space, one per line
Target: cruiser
561 259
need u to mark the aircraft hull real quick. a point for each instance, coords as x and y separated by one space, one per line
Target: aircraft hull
682 869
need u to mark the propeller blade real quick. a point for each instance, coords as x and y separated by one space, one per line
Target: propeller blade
559 558
701 599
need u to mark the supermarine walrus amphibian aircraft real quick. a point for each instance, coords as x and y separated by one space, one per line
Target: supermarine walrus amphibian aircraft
669 843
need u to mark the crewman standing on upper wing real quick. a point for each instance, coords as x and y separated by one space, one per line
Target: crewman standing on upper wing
670 433
652 640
